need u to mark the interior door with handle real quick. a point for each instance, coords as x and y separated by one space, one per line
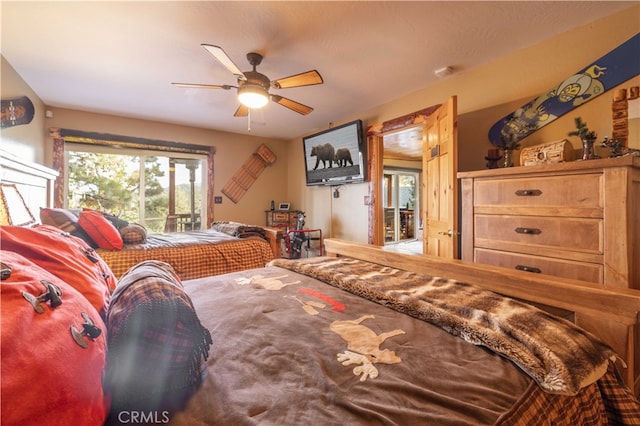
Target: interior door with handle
440 188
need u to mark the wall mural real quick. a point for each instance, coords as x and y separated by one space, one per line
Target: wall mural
16 111
609 71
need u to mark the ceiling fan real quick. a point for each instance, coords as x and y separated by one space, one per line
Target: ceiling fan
253 87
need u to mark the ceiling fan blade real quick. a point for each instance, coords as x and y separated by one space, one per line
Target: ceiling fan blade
224 59
203 86
308 78
242 111
292 105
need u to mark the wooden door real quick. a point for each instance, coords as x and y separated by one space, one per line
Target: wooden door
440 185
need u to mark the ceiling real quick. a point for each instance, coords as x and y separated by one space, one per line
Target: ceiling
405 144
120 57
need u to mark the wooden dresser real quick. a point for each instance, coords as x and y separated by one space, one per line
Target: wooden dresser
578 220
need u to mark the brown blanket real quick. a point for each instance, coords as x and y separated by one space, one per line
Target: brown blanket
291 350
559 356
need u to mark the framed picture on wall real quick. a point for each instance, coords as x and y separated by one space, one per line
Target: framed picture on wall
283 206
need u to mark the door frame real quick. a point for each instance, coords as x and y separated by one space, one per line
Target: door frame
375 166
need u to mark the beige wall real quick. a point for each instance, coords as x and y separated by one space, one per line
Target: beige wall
231 152
485 95
32 142
27 140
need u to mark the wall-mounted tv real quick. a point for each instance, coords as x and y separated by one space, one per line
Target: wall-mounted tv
336 156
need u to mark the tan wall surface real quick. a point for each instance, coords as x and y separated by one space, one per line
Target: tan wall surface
485 95
27 140
231 152
32 142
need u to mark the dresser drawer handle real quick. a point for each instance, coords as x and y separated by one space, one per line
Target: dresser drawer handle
528 231
528 269
528 192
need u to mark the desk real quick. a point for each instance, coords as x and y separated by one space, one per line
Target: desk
304 231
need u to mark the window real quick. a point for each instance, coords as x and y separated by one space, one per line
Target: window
164 191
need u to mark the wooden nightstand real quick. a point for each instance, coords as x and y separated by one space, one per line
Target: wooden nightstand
285 219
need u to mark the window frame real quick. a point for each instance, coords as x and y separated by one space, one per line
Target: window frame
141 153
63 136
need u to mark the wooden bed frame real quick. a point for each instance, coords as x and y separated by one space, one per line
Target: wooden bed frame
611 314
34 181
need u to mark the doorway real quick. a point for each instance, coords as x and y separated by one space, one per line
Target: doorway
430 137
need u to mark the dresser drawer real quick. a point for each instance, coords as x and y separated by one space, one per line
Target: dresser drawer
575 191
584 271
528 234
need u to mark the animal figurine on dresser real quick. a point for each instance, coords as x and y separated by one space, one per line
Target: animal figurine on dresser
325 153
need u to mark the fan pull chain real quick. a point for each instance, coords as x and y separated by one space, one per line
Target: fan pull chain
249 119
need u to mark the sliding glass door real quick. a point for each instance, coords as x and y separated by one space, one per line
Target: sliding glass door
165 192
400 199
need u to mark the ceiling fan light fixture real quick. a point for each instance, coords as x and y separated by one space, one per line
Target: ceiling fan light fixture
253 86
253 96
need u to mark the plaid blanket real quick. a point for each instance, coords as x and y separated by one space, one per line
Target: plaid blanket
606 402
193 254
239 230
157 345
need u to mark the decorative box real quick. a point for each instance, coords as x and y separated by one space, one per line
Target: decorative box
553 152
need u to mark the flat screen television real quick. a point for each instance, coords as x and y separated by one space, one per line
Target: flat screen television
336 156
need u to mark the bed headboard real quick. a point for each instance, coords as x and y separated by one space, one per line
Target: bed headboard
34 181
612 314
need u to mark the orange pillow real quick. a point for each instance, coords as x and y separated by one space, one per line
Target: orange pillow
101 231
69 258
48 378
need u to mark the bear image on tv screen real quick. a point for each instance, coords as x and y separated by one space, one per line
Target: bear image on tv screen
325 153
343 156
342 152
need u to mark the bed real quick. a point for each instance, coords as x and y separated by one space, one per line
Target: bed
228 247
361 336
349 339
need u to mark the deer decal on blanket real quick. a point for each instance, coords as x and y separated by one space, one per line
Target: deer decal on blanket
364 347
559 356
363 344
268 283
